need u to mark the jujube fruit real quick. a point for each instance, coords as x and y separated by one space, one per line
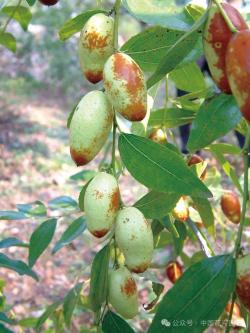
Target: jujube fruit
243 280
96 45
195 159
90 127
157 135
216 37
49 2
181 210
134 237
101 203
238 70
236 309
173 271
122 293
125 86
230 206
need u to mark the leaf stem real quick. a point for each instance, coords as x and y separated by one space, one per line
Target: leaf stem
116 23
11 16
230 314
245 194
205 245
225 16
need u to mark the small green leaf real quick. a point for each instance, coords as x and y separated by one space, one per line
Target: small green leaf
213 121
21 14
74 25
4 329
12 215
31 2
156 205
75 229
112 323
225 148
204 208
170 118
16 265
82 195
173 175
62 202
47 313
40 239
8 41
6 319
29 322
71 115
99 278
84 175
12 241
70 302
36 208
199 295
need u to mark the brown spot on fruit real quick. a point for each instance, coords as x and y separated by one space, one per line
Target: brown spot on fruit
93 40
230 206
79 157
93 77
238 70
173 271
243 290
217 35
141 268
98 194
100 233
135 112
129 287
195 159
115 201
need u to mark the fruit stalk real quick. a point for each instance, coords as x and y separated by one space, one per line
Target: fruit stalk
225 16
116 24
245 194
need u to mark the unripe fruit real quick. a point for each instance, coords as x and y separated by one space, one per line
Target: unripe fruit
195 159
236 309
125 86
96 45
49 2
243 280
123 292
238 70
158 136
101 203
181 211
90 127
230 206
216 37
173 271
134 237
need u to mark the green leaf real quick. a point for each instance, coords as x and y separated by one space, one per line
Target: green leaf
99 278
204 208
156 205
36 208
214 120
29 322
200 295
31 2
75 229
71 115
170 118
75 24
47 313
173 175
166 14
181 77
4 329
40 239
225 148
21 14
179 241
8 41
16 265
12 241
82 195
112 323
149 47
6 319
70 303
12 215
83 175
177 52
62 202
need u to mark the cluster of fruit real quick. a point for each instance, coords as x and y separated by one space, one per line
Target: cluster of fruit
124 92
228 53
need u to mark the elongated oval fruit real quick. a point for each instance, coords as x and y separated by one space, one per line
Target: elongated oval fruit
158 135
123 292
181 210
125 86
216 37
243 280
134 237
195 159
236 309
49 2
238 70
230 206
173 271
90 127
96 46
101 203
